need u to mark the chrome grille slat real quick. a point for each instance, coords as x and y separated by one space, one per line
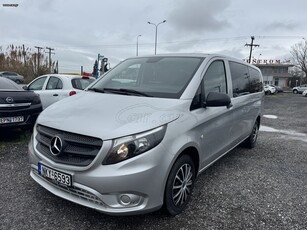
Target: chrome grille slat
79 150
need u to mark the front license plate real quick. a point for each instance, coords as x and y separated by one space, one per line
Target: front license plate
6 120
55 175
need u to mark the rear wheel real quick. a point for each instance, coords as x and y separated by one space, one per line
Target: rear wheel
179 185
250 142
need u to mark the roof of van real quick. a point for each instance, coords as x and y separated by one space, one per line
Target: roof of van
203 55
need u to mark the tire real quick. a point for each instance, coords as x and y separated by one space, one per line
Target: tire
295 91
250 142
179 185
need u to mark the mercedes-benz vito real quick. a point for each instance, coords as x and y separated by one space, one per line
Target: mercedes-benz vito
136 139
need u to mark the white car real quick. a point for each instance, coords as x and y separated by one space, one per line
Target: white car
299 89
54 87
269 89
305 93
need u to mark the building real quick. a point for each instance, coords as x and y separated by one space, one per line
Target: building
274 72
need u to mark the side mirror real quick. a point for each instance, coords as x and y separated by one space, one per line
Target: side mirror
215 99
25 87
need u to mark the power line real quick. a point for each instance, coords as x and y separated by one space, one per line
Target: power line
38 55
50 49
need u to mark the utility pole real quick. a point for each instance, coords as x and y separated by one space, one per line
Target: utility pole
251 48
50 49
38 56
24 54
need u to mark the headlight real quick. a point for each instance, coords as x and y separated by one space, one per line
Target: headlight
131 146
36 100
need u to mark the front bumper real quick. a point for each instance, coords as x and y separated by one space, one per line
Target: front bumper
30 115
135 186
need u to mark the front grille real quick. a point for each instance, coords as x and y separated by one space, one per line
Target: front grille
78 150
75 191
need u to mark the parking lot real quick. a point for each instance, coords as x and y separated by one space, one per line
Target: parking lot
262 188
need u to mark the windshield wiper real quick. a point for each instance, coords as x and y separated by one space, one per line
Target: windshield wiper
127 92
96 90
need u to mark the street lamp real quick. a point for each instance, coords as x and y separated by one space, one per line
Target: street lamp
156 25
137 44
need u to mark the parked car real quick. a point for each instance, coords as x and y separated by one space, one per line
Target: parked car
12 76
299 89
268 89
278 88
18 108
136 139
55 87
305 93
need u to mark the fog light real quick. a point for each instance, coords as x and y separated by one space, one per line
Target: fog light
129 199
125 199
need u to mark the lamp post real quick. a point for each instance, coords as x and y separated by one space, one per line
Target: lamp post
156 25
137 44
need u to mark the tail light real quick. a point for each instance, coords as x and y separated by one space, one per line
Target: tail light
72 93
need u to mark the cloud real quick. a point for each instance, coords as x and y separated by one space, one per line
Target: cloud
287 26
197 16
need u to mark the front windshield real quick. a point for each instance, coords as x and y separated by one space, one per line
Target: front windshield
165 77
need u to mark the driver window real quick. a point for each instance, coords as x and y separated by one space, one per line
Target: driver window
215 78
37 84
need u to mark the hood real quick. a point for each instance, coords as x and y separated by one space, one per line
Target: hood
110 116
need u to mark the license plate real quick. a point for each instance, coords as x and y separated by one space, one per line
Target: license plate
6 120
54 175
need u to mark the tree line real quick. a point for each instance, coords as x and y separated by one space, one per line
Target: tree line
24 60
32 63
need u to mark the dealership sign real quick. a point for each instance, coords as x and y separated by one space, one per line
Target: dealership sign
263 61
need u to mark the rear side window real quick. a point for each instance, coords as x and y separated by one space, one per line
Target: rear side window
255 80
81 83
54 83
240 79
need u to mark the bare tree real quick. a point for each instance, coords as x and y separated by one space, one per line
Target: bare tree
23 61
299 55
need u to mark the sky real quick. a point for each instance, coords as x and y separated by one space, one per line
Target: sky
79 30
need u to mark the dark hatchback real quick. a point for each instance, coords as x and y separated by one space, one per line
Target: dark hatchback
18 107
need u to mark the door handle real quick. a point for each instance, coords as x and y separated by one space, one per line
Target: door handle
56 95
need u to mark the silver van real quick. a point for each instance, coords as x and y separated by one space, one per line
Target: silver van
136 139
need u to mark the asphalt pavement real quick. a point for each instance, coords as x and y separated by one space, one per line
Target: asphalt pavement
262 188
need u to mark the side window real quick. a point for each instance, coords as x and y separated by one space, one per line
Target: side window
215 78
54 83
240 79
37 84
255 81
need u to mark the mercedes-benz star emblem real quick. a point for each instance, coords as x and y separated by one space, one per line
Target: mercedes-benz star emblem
56 146
9 100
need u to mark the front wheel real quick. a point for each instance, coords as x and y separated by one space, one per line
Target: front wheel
179 185
295 91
